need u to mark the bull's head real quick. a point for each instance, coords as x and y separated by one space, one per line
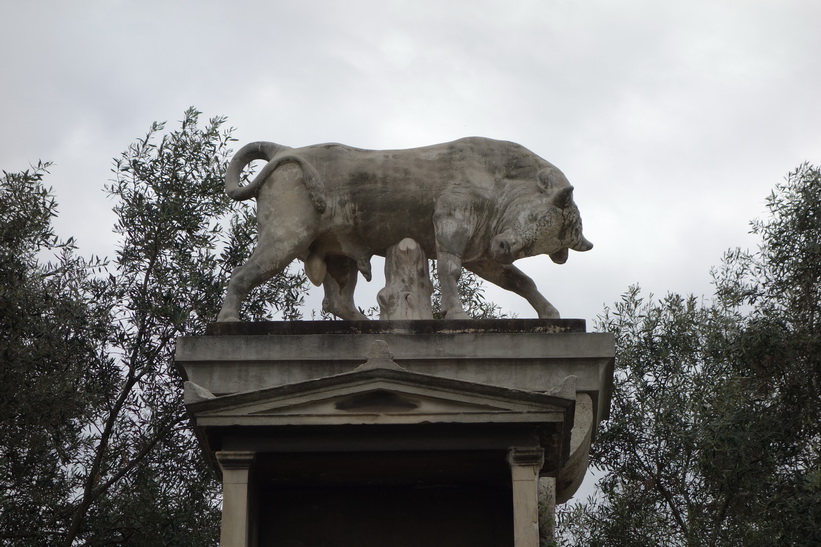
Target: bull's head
570 235
552 226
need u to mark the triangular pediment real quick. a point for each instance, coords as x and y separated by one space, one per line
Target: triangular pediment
380 399
380 396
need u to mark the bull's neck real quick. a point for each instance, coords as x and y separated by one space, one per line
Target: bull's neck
513 199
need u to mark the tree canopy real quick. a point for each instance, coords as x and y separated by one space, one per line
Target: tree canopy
714 437
95 445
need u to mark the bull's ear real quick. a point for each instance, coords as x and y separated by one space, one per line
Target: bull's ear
563 198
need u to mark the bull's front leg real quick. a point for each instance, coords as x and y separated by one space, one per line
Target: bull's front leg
453 225
513 279
449 268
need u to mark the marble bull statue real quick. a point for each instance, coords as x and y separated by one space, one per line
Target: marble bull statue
474 202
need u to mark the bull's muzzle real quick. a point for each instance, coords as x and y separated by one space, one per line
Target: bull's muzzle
559 257
582 245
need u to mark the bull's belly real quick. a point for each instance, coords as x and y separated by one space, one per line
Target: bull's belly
364 241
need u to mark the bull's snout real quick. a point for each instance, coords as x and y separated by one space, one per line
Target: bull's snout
582 245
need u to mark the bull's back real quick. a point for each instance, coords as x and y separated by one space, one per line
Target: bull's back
386 195
473 161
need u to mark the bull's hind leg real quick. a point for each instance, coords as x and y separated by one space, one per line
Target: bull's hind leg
513 279
339 285
288 222
265 263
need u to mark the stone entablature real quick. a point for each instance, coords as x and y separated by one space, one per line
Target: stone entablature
514 353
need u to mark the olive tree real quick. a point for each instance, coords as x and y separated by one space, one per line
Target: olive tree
54 366
714 437
96 447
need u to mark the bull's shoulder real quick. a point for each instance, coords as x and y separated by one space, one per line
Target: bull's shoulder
485 143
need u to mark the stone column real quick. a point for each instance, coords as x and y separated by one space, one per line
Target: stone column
525 464
236 502
547 509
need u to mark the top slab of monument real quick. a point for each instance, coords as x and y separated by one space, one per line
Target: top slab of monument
398 327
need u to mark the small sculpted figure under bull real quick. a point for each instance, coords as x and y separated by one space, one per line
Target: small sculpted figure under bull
475 202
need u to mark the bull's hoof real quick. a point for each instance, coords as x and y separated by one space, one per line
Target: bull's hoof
228 318
352 316
550 314
456 314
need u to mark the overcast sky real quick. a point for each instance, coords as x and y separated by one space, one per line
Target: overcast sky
672 119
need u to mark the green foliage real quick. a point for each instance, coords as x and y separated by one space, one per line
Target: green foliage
147 476
714 437
779 351
472 294
49 333
679 447
95 446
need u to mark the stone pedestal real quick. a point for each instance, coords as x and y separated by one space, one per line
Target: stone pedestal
403 433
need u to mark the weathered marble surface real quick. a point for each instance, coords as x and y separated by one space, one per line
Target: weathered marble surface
407 292
474 202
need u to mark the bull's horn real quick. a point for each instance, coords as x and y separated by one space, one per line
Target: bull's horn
563 197
583 245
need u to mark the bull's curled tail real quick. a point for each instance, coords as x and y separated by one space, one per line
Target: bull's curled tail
273 154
